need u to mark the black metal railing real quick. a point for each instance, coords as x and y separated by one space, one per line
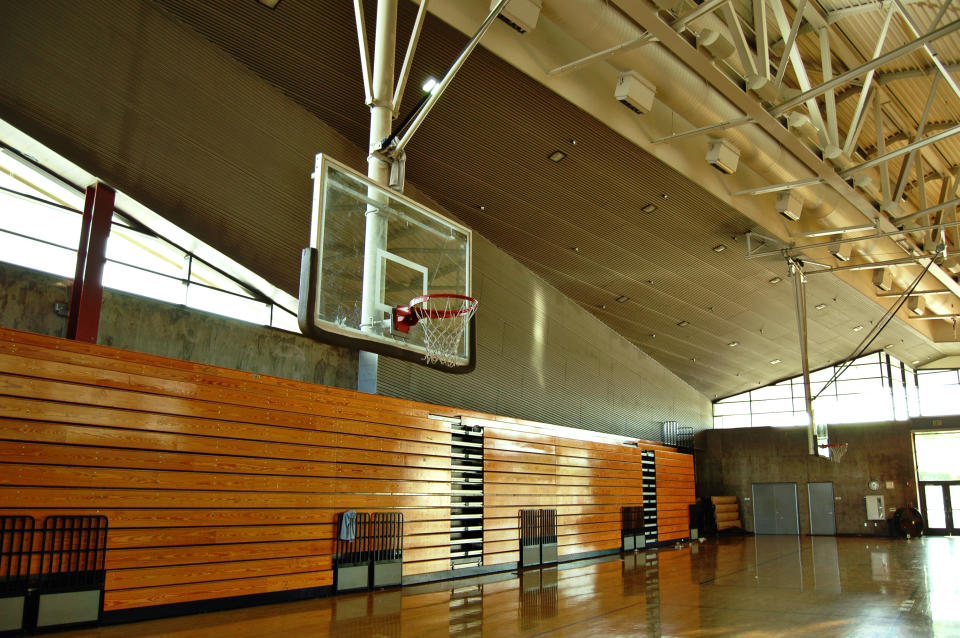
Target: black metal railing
74 552
632 527
679 436
16 551
61 582
369 550
538 537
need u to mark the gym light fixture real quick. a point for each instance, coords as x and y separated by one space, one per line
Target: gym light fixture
430 85
719 248
820 306
556 156
790 205
857 328
723 156
622 298
683 324
649 208
775 362
635 92
733 344
775 280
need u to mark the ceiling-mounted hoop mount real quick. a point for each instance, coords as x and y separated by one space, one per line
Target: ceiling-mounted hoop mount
445 321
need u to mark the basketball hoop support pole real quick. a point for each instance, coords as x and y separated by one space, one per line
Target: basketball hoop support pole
378 170
800 296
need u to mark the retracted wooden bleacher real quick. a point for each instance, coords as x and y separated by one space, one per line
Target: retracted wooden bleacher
219 483
727 512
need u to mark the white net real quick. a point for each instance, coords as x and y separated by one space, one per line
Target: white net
442 335
837 450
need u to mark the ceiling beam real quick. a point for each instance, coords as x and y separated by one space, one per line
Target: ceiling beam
907 163
858 113
856 72
933 139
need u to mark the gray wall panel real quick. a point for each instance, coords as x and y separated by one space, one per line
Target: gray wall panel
547 359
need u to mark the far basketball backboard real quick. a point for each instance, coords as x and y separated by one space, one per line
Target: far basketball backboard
415 251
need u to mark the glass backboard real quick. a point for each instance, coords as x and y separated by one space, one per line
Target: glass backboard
364 235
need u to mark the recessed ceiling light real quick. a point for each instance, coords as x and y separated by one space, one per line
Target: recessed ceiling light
270 3
820 306
913 363
775 362
575 249
556 156
888 346
733 344
653 335
622 298
857 328
776 280
649 208
683 324
719 248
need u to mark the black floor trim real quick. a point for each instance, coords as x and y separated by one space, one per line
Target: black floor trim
155 612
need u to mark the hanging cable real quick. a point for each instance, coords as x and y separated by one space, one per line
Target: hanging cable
878 328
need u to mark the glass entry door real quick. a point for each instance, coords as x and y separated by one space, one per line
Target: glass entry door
941 506
938 475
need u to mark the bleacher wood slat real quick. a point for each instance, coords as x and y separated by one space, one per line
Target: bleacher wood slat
222 483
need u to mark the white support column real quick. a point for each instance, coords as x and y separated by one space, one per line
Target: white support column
800 298
800 69
739 39
761 35
789 44
856 122
830 98
378 170
921 127
881 150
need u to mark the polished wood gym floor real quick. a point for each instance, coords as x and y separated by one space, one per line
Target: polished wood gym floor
736 586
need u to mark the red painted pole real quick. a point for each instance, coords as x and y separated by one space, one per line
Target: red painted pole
85 303
81 263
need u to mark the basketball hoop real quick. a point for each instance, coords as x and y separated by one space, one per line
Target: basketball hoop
837 450
444 319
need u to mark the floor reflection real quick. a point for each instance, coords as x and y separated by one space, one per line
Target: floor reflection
825 556
728 586
538 596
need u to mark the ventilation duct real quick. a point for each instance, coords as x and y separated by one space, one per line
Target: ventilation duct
715 43
521 15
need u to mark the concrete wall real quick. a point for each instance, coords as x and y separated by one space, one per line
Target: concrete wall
127 321
164 130
541 356
728 462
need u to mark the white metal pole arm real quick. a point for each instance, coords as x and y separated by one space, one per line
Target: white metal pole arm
435 95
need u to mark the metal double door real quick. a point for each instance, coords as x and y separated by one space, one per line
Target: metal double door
940 501
775 508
